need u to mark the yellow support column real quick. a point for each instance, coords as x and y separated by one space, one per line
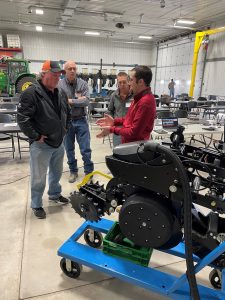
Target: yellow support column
198 40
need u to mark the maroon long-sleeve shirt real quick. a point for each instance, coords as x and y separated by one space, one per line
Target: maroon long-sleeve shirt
139 120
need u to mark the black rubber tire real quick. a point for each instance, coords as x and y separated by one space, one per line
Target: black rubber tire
98 239
215 279
23 81
76 269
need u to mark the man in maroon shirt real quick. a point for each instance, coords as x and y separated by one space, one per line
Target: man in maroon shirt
139 120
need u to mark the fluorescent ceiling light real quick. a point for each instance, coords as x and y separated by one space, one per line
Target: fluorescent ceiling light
92 33
184 21
146 37
39 28
131 42
183 27
162 81
39 11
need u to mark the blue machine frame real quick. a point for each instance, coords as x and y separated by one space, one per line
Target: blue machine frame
154 280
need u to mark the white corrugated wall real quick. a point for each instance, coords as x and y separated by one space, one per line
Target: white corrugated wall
215 66
39 46
86 51
175 61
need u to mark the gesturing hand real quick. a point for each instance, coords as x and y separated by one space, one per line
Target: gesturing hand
105 131
106 121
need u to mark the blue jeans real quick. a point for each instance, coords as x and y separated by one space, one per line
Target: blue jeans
79 129
42 157
171 92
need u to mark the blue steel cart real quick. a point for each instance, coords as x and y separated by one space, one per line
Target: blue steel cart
76 254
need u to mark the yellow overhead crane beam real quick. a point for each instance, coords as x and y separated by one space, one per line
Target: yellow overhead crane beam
198 41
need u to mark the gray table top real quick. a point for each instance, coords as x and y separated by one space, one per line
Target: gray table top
158 109
9 127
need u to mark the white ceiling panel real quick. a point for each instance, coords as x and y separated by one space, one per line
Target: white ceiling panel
138 17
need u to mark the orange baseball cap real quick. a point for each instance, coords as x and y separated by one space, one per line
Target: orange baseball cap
53 66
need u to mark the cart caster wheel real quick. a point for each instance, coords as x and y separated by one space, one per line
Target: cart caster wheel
94 242
75 268
214 279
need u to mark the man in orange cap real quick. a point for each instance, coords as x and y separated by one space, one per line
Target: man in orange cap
44 116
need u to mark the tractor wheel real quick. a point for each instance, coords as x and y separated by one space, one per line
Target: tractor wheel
24 83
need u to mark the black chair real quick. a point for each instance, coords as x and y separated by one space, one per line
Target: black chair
193 111
204 102
184 96
181 113
4 118
94 115
99 99
12 107
157 100
165 100
8 106
221 103
22 137
212 97
192 105
164 114
179 97
203 99
108 137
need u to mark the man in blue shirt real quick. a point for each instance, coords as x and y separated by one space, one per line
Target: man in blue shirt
78 96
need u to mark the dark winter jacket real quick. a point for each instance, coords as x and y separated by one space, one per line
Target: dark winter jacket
37 115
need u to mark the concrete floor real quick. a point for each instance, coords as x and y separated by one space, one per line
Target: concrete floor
28 253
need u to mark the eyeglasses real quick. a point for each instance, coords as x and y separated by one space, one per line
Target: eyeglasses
71 69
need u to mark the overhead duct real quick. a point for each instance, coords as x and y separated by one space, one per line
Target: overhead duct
72 3
68 12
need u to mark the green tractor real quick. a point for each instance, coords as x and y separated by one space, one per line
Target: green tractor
15 76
